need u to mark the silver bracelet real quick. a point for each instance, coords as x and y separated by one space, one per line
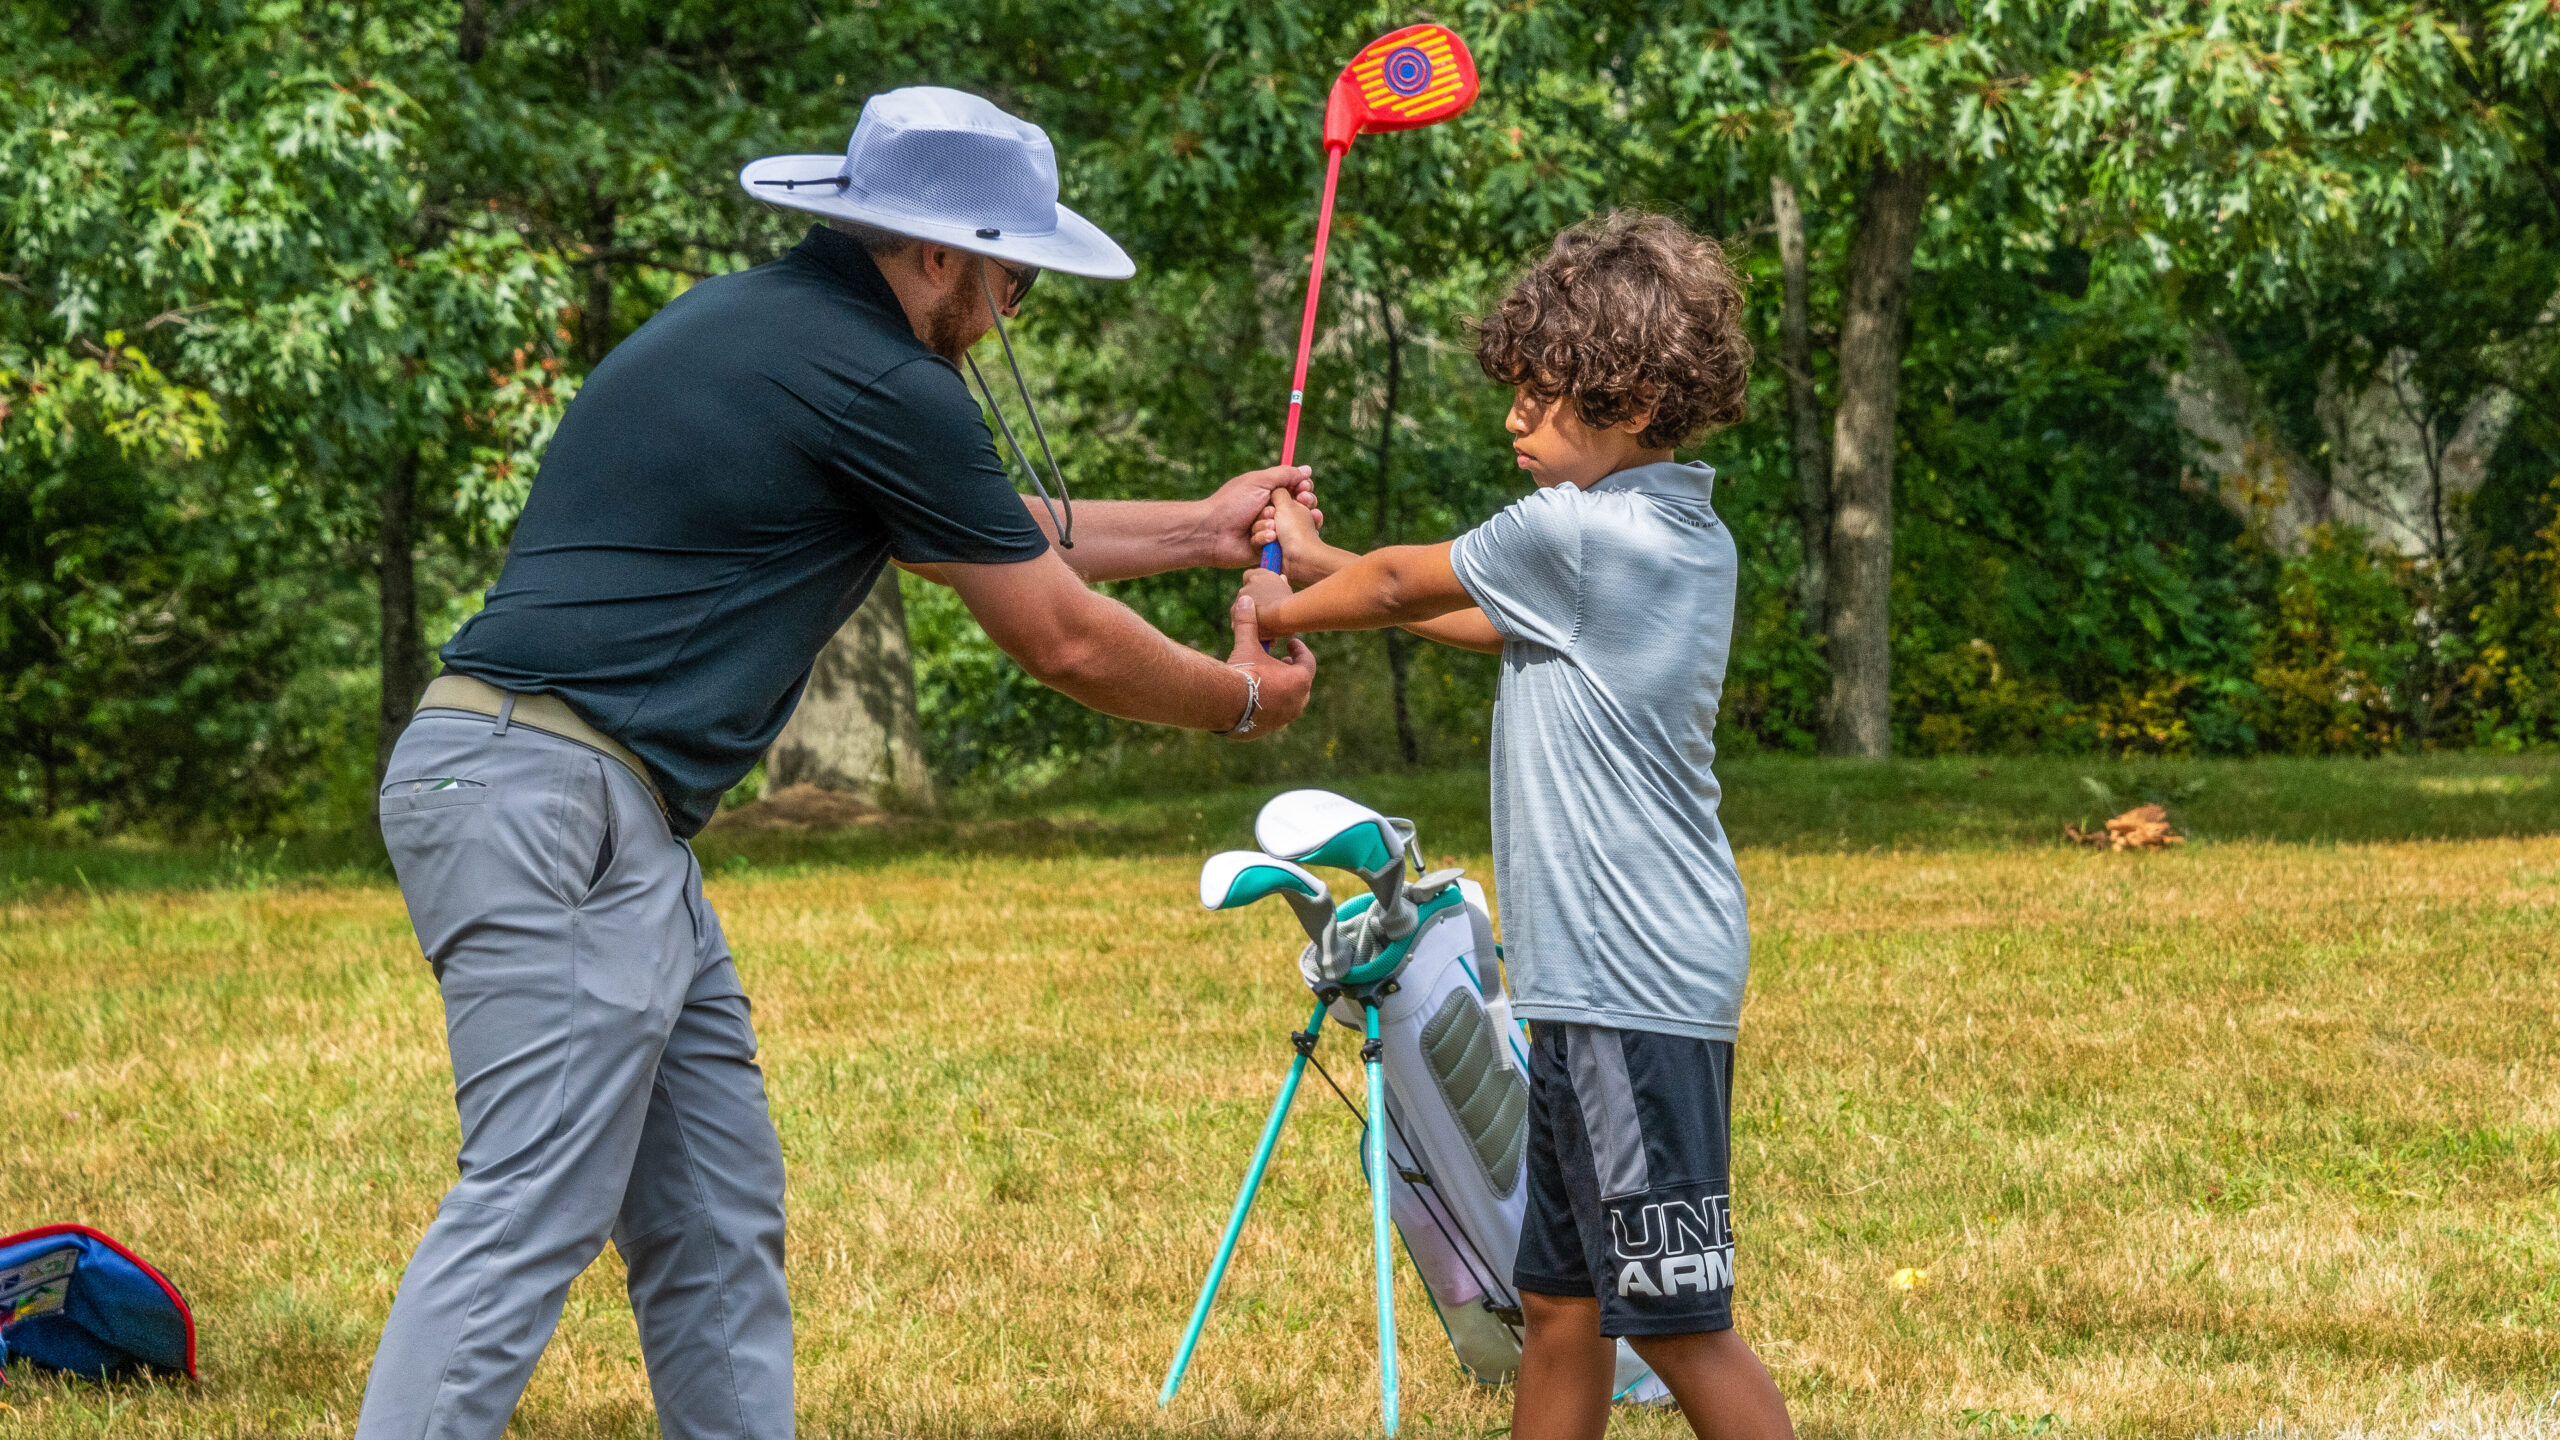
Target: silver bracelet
1252 704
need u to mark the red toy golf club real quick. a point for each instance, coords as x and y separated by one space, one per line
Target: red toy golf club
1419 75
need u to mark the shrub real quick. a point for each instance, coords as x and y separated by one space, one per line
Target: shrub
2332 663
2511 683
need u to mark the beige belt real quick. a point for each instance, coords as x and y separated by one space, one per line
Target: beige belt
547 713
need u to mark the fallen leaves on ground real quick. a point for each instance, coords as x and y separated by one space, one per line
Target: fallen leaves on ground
2144 827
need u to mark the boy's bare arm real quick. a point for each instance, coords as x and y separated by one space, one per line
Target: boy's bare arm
1465 629
1310 561
1397 585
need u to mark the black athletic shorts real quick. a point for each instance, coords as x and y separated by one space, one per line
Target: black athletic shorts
1630 1200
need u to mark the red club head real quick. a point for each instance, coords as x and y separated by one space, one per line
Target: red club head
1419 75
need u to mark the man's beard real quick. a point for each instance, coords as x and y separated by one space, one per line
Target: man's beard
953 326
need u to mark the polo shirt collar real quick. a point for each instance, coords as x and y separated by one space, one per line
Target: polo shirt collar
1670 479
843 257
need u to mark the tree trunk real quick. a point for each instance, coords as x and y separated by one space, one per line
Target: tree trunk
1408 745
1811 450
595 322
856 730
404 651
471 37
1857 721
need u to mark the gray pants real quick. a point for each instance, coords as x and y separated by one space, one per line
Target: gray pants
605 1072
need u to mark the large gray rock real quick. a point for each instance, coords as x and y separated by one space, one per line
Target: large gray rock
2385 465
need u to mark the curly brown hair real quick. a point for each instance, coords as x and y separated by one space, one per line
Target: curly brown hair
1628 312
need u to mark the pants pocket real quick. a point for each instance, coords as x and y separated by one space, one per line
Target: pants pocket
441 849
587 831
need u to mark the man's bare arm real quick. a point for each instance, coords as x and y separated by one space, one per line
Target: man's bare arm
1100 653
1125 539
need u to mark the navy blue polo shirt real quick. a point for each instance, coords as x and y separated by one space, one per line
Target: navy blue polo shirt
718 500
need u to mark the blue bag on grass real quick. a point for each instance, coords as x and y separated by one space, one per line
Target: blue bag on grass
73 1300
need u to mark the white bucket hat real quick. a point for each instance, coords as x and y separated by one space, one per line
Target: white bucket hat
945 166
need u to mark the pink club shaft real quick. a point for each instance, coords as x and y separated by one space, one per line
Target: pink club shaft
1307 327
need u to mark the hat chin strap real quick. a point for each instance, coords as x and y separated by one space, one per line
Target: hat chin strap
1065 527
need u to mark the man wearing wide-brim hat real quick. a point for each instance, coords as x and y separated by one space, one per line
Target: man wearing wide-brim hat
718 500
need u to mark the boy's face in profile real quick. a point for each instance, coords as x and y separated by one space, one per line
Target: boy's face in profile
1556 448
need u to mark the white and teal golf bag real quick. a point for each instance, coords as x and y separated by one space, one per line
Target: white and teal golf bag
1457 1072
1419 957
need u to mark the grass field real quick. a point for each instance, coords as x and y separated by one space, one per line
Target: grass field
2258 1135
1772 802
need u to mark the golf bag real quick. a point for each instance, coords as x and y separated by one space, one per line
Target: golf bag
72 1299
1411 967
1457 1106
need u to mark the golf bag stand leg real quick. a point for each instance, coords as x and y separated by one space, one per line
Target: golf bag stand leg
1380 1181
1305 1041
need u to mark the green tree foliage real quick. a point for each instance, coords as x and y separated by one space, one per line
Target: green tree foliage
291 296
229 329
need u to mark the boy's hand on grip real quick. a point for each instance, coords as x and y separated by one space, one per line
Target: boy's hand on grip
1264 588
1303 553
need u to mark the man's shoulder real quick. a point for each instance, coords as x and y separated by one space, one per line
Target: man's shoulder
796 297
920 387
795 317
777 285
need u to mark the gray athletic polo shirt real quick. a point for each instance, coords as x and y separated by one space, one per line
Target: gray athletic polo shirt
1620 905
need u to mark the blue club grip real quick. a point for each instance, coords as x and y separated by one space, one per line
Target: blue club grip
1271 562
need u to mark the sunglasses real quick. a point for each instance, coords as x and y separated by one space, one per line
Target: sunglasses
1021 281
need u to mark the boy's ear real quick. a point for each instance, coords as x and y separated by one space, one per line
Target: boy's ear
1637 423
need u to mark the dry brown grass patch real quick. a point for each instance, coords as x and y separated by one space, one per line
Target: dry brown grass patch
2221 1140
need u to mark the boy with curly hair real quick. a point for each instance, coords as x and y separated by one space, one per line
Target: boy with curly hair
1609 594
